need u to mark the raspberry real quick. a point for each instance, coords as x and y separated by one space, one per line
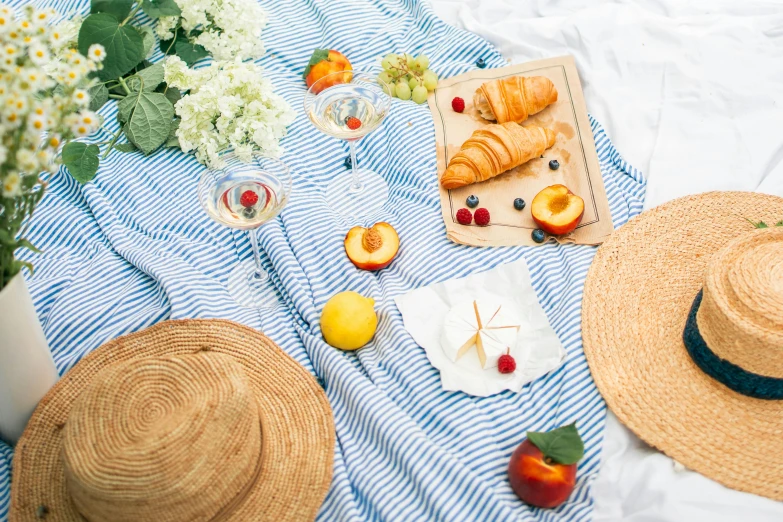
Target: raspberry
458 104
353 122
248 199
506 364
482 217
464 217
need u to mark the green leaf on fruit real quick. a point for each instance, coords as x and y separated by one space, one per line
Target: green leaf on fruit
99 95
146 79
319 55
761 224
563 445
119 8
158 8
81 160
147 38
147 117
124 45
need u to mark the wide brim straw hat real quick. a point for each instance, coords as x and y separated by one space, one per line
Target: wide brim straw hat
682 321
186 420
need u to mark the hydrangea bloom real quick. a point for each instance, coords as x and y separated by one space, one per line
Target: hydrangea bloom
228 29
230 105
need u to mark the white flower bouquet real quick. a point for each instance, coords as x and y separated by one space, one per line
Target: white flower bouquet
226 29
230 105
43 103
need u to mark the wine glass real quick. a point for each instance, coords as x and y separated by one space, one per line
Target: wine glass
245 196
349 105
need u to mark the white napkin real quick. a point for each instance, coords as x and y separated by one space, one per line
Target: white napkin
538 349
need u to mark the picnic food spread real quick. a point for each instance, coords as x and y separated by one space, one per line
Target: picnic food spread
210 419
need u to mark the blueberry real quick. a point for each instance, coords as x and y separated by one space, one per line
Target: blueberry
554 164
472 201
480 63
519 203
347 162
538 235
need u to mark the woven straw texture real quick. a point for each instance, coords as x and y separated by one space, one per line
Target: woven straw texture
638 293
741 314
262 452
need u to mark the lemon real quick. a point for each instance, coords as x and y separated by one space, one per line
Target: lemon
348 320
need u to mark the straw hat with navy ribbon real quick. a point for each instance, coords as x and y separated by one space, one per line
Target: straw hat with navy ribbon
187 420
683 331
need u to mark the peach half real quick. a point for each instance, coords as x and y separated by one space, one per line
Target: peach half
372 248
556 210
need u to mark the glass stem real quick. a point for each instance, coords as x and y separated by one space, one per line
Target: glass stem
356 186
259 274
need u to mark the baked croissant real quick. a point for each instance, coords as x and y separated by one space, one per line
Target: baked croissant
494 149
514 98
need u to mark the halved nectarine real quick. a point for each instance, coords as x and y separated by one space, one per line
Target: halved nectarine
372 248
556 210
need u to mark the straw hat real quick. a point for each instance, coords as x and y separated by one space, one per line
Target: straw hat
187 420
683 331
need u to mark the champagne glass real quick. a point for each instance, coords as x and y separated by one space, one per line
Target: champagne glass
245 196
349 105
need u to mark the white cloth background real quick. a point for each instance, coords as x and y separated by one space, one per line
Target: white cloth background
691 93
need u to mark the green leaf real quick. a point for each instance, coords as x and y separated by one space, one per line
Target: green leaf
173 95
190 53
124 45
149 122
158 8
563 445
126 105
125 147
147 39
23 243
119 8
99 95
779 223
152 76
760 224
172 140
82 160
318 56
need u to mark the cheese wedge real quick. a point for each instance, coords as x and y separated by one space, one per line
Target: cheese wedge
487 326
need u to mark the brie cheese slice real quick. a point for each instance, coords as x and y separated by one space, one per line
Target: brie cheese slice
487 326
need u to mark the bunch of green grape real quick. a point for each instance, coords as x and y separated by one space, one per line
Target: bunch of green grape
407 77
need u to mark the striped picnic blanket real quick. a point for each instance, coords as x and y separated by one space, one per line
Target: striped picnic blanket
134 248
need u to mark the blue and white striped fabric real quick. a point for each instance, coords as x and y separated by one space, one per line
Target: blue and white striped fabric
134 248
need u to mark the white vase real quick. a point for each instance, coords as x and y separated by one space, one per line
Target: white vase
27 369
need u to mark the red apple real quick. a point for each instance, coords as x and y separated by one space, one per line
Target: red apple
372 248
538 482
324 62
556 210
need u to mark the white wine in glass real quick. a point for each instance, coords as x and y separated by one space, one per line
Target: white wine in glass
349 105
245 196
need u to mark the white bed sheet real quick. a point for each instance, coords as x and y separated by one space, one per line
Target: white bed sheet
691 93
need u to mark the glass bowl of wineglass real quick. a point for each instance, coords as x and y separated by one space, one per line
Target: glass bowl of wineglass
349 105
244 196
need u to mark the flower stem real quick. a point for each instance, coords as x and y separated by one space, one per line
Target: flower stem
132 13
112 142
124 86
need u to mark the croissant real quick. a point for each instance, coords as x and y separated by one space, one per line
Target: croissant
514 98
494 149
